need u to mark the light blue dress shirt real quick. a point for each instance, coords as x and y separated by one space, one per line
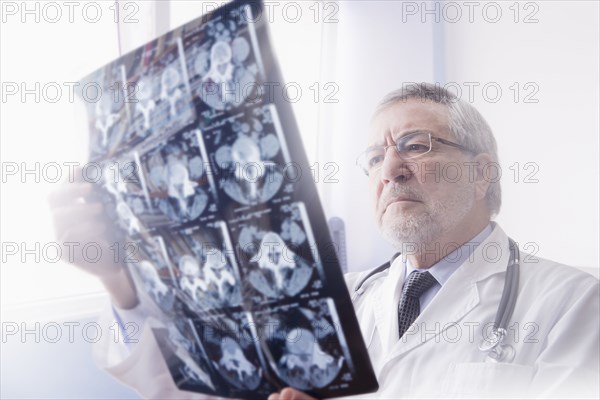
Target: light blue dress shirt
443 269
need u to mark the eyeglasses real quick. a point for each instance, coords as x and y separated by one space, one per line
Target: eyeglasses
409 146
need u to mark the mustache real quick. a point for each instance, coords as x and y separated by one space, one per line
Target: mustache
396 191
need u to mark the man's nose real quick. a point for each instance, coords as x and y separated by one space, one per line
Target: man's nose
395 168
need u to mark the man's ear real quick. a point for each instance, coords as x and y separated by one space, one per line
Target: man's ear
486 171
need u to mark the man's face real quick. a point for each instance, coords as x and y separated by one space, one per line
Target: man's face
423 199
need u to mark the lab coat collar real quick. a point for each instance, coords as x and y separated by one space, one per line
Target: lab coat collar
452 303
385 304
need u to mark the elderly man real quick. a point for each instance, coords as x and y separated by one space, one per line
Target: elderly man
425 315
454 266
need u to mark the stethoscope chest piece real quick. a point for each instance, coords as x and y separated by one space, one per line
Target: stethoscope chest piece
495 348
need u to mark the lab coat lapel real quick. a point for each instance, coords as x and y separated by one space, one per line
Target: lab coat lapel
385 304
449 306
458 296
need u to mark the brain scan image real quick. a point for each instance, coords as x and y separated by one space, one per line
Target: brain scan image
192 365
185 357
126 198
281 270
179 188
162 295
255 180
128 219
306 347
250 157
218 274
107 111
185 200
146 261
280 263
105 120
235 367
227 81
203 264
212 284
171 91
278 270
222 65
235 354
158 90
304 364
146 104
191 281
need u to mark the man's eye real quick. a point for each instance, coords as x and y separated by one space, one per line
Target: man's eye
375 161
416 148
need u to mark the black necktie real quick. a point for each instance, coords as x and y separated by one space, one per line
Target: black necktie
408 308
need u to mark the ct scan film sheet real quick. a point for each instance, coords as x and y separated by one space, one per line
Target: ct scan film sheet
204 173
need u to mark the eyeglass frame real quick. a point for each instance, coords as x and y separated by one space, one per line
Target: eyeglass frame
431 139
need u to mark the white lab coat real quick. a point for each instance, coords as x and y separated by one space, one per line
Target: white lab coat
554 330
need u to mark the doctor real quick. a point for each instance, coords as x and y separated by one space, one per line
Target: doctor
424 315
453 267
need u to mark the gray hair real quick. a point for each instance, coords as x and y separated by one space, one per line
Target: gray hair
466 124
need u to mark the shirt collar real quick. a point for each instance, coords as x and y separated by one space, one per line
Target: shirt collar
443 269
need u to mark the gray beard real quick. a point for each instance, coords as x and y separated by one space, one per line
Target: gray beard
415 229
429 226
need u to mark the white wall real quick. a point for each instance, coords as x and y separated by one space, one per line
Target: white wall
380 47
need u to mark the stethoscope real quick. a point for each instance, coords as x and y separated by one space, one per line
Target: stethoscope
492 343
